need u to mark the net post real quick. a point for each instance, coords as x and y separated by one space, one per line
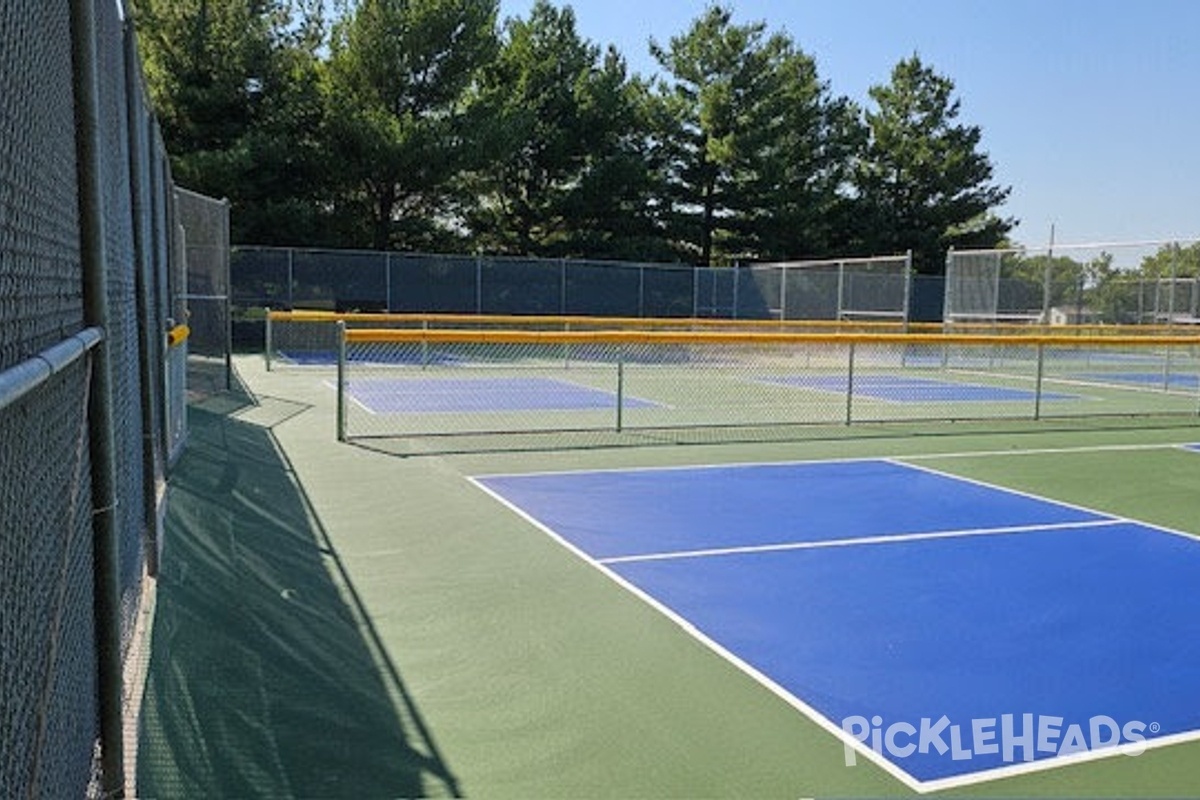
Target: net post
620 390
850 385
268 339
1037 390
424 346
341 381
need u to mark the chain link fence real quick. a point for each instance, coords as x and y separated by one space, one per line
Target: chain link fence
90 288
206 241
1116 283
361 281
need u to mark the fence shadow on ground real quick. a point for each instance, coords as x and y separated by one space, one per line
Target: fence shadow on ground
266 679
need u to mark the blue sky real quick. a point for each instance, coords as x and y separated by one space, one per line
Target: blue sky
1090 109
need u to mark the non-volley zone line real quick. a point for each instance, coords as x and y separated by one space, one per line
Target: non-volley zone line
860 541
980 633
622 513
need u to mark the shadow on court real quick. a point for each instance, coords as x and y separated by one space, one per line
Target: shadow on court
266 679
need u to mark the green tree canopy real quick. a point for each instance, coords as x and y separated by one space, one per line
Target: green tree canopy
720 84
415 124
757 152
923 183
564 134
1180 261
234 85
397 77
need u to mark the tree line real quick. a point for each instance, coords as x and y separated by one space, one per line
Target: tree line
432 125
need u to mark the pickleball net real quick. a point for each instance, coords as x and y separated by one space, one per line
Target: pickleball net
412 383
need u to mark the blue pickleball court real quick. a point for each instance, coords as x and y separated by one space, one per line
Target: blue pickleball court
1013 631
909 389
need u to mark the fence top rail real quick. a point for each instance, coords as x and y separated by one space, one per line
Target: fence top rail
303 316
384 255
896 325
1038 249
901 258
444 336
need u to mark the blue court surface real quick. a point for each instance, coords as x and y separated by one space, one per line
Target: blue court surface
949 631
905 389
399 356
1175 380
463 395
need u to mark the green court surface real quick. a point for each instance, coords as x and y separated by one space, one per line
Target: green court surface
360 620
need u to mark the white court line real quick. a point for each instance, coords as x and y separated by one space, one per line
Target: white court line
1192 537
612 393
901 459
353 399
863 540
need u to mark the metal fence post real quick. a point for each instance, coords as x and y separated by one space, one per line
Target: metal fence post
841 289
908 287
102 441
737 273
150 349
268 338
783 293
225 272
562 286
387 282
641 290
949 295
291 279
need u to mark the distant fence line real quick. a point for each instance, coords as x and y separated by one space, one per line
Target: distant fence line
1064 284
349 280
